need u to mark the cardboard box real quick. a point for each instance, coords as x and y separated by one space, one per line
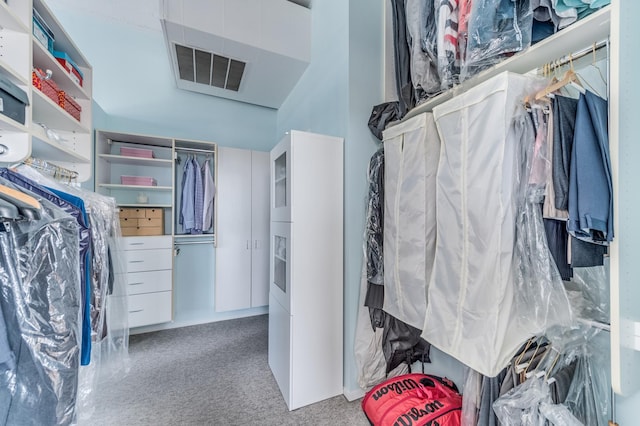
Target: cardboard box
141 221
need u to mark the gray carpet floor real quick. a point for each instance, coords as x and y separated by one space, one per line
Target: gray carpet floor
211 374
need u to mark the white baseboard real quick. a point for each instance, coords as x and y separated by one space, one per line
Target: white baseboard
353 394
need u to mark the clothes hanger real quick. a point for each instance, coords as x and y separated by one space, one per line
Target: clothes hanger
570 77
28 206
9 211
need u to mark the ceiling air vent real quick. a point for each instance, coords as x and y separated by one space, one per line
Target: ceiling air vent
203 67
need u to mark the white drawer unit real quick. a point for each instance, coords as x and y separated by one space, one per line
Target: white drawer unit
148 282
149 308
147 260
149 270
146 243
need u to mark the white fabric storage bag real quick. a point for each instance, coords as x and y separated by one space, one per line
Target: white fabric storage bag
412 151
470 312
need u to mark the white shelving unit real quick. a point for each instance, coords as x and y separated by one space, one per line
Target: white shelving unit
20 53
110 165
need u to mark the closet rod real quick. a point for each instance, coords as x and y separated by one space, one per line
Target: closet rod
53 169
596 324
180 243
206 151
567 59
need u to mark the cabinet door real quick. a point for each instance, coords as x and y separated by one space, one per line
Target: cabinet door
233 250
260 228
280 263
281 181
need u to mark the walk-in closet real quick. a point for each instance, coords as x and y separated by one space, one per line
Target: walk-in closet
328 212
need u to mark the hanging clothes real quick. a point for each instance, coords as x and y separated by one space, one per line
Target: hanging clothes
187 208
109 333
591 212
374 253
75 207
41 303
422 31
198 198
412 151
497 28
402 58
208 195
448 56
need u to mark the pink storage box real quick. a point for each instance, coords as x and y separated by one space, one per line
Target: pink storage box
138 180
136 152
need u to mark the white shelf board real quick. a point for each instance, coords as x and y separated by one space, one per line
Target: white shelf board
135 139
44 60
194 236
11 125
13 75
10 21
580 35
135 187
135 161
148 205
43 147
49 113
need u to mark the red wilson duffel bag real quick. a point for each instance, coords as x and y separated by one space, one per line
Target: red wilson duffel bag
413 400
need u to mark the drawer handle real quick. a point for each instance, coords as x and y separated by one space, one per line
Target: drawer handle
136 261
136 244
136 283
136 311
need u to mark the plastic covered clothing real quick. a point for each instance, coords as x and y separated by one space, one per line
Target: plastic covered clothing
374 298
422 32
589 393
412 150
540 297
558 415
74 207
448 55
520 406
109 302
497 28
381 115
41 304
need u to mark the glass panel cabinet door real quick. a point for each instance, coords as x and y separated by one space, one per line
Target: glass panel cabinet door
280 269
281 181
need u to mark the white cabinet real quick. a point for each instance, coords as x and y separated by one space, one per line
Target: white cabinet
306 268
242 250
49 132
148 268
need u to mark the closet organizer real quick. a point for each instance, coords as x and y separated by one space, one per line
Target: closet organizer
63 304
166 190
480 169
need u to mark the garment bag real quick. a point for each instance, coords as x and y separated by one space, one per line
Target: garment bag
470 314
411 150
